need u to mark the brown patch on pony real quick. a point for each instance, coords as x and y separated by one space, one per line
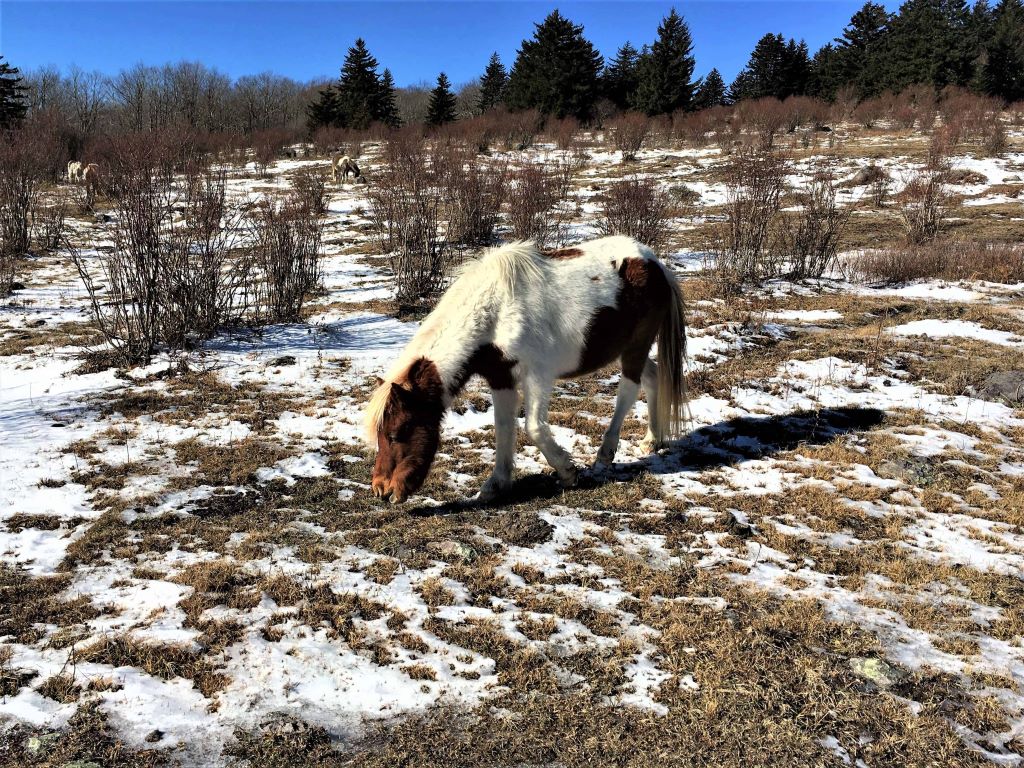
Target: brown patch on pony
563 253
489 362
628 329
409 431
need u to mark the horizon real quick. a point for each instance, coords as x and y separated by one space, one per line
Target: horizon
460 35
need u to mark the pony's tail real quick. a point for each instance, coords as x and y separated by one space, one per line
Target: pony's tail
672 410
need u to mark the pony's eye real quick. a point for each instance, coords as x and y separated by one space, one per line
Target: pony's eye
393 437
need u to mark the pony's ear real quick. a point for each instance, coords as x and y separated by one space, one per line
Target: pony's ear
380 381
423 376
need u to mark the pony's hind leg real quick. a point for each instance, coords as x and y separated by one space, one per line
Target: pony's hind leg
506 405
537 391
624 401
654 439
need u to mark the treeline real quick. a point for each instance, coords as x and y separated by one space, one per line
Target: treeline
557 72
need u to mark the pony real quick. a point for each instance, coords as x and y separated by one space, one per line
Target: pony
345 165
90 174
76 169
522 318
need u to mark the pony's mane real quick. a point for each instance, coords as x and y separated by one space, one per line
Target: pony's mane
499 270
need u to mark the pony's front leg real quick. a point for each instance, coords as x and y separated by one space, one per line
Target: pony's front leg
628 391
506 406
538 396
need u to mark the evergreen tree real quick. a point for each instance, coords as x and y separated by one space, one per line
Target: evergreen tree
441 109
557 71
492 84
858 54
827 76
621 77
927 42
12 96
1003 72
666 72
711 92
359 89
980 32
776 68
387 111
323 110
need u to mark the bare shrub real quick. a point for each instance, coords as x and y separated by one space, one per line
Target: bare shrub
474 191
266 146
637 207
563 132
767 117
743 245
953 259
994 140
694 127
49 224
177 272
23 157
286 237
922 204
813 239
870 111
539 199
628 134
517 130
311 188
407 214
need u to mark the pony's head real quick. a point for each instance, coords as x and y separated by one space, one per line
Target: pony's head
403 421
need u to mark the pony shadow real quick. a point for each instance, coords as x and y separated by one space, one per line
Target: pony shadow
726 443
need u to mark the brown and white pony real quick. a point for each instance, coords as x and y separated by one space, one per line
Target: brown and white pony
344 165
521 319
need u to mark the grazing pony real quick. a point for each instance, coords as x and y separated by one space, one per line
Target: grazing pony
76 169
345 165
90 174
521 319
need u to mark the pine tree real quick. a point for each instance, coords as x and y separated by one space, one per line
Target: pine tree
387 110
666 72
927 43
557 71
776 68
12 96
858 54
711 92
324 110
442 102
359 89
621 77
1003 73
492 84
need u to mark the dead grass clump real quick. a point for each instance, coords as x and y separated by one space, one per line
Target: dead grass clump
86 739
164 661
62 688
232 464
285 744
28 604
950 259
322 607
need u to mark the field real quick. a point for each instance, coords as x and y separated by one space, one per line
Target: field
826 571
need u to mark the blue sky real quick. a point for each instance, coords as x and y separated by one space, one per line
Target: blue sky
307 40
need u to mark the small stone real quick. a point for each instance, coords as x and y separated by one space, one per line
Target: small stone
282 361
878 671
154 736
453 549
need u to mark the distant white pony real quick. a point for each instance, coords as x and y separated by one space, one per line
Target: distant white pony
76 171
344 165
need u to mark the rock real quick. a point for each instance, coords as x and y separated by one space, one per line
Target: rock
454 550
38 322
283 360
81 764
878 671
154 736
913 470
1005 386
964 176
16 286
41 744
868 175
1011 179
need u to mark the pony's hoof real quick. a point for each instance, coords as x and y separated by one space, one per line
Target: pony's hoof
491 490
605 458
648 447
569 477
